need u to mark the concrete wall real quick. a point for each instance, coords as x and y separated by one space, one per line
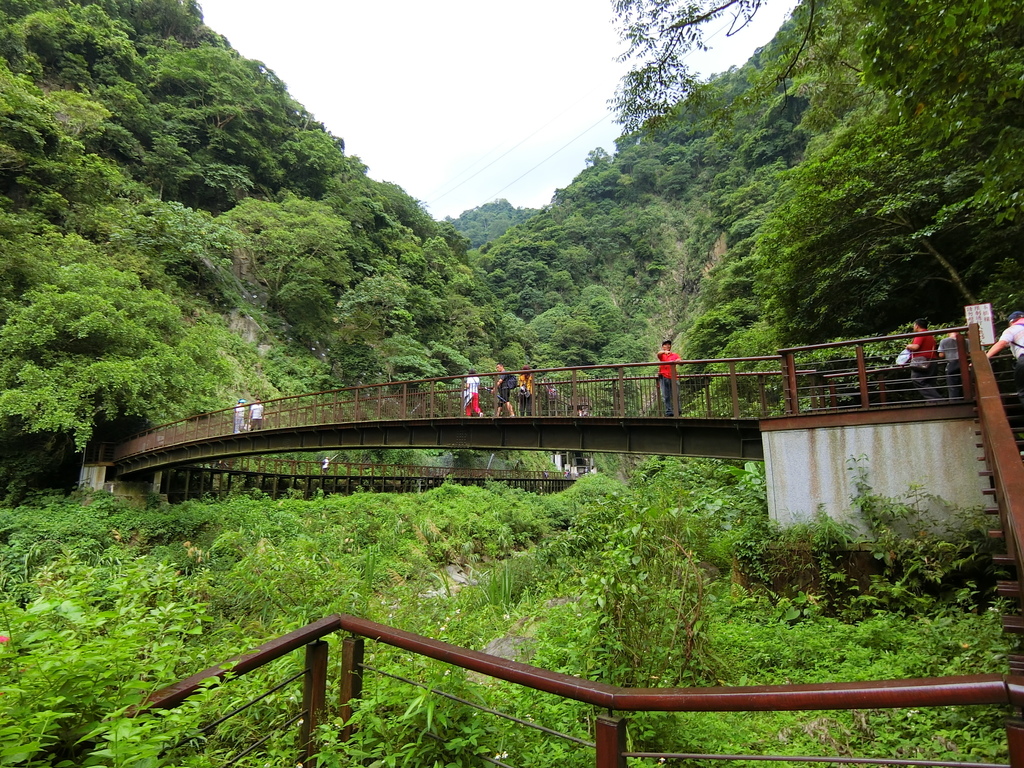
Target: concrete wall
808 469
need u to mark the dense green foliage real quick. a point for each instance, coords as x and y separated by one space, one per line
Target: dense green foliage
490 221
176 231
667 581
792 200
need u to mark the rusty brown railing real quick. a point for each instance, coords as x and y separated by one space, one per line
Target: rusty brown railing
1004 461
860 374
610 729
837 377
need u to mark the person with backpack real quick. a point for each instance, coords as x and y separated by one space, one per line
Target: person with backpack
503 392
526 392
1013 337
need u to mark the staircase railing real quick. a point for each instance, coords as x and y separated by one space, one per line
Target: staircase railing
1004 460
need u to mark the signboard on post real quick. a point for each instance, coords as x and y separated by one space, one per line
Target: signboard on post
982 315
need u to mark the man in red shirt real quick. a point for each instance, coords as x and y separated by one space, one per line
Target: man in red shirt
667 375
922 361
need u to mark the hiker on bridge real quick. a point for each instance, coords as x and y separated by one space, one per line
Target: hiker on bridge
667 375
240 409
1013 337
503 392
922 361
471 394
526 391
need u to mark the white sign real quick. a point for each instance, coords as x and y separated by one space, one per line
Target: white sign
982 315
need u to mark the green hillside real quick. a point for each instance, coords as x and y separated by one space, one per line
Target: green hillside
176 231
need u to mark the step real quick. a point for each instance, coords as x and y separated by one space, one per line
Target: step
991 510
1008 589
1004 559
995 534
1014 624
984 473
1016 663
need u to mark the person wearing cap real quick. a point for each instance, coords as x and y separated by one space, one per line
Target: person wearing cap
1013 337
239 416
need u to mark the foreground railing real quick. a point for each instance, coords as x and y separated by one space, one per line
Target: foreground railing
609 737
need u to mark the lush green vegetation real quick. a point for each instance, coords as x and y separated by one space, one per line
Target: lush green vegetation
671 580
841 183
176 231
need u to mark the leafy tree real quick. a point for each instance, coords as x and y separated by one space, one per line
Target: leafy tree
92 345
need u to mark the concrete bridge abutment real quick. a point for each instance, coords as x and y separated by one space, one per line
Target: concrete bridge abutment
821 463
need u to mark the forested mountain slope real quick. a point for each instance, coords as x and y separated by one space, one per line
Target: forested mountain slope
800 198
176 231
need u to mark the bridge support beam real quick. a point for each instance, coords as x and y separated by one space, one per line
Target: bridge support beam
821 463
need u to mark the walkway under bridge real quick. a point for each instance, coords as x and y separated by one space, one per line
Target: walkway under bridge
305 479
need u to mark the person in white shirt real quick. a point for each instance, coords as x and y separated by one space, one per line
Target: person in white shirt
1013 337
240 416
256 414
471 394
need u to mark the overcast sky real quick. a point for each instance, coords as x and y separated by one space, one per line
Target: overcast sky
459 102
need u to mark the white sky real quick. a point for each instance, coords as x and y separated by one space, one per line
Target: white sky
459 102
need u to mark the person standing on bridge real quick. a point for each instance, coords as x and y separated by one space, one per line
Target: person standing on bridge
503 392
922 361
239 416
949 350
1013 337
256 414
526 391
667 375
471 394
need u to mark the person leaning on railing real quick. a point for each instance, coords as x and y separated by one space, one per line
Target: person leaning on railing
1013 337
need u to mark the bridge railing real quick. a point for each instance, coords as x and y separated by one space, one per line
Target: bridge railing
730 388
609 736
842 376
862 374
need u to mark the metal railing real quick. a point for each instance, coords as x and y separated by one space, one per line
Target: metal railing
609 737
845 376
861 374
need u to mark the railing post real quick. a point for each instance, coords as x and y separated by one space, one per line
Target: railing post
966 374
351 681
314 697
610 737
622 393
862 379
1015 741
788 366
734 390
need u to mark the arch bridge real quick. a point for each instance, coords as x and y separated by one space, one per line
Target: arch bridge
720 409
